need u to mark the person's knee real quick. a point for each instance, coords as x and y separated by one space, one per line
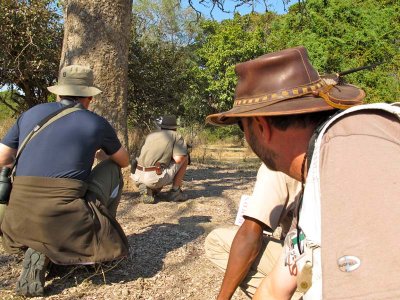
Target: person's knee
112 165
108 166
213 243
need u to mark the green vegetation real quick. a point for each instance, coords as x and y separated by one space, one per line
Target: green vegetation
159 64
185 66
347 34
5 111
31 39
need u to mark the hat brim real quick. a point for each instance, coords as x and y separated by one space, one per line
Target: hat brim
74 90
168 127
307 104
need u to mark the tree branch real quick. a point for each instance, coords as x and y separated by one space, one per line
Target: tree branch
221 5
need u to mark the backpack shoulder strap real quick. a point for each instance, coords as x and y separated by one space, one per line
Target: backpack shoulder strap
43 124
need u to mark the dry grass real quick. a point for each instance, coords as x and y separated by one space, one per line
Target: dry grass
224 154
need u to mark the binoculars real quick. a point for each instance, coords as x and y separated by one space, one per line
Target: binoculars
5 191
5 185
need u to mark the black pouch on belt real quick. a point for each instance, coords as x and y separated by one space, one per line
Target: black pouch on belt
133 165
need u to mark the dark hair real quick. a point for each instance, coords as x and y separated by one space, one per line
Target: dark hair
301 120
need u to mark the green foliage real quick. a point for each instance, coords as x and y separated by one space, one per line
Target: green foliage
159 64
197 78
184 66
343 35
215 135
31 38
221 47
5 111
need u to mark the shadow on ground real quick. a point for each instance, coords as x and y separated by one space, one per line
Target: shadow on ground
147 253
155 234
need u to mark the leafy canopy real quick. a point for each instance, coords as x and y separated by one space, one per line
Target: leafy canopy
31 38
342 35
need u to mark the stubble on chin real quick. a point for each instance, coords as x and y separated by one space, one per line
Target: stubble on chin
267 156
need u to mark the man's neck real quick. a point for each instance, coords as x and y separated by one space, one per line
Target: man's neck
297 164
68 101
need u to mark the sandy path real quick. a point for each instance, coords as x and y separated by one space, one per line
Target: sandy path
166 260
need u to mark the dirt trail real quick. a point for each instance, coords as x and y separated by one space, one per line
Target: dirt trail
166 260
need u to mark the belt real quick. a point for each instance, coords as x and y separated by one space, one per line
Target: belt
140 168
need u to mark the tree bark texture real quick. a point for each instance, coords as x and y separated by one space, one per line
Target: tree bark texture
96 34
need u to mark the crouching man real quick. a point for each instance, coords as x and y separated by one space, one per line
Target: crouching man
61 210
163 160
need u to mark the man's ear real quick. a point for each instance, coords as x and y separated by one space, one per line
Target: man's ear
86 101
264 127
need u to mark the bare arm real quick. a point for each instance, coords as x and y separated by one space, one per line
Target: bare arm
179 158
245 247
280 284
7 155
121 157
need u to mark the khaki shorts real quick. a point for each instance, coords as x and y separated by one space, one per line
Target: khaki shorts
154 181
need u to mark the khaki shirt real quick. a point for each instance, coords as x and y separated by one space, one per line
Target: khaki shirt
273 199
160 146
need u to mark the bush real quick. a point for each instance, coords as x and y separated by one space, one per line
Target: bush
5 111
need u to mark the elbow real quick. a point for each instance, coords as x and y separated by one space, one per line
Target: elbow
180 159
125 163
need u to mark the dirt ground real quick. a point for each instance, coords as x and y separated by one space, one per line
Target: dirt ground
166 260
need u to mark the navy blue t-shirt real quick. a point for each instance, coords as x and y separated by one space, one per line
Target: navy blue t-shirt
64 149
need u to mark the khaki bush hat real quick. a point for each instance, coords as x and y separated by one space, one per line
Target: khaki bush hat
285 83
167 122
75 80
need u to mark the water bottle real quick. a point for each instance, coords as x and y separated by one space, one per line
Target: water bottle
5 190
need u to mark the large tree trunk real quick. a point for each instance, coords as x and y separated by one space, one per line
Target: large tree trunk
96 34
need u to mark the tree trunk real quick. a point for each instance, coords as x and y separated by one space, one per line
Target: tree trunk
96 34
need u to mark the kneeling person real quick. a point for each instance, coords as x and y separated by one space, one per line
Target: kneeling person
60 209
245 253
163 160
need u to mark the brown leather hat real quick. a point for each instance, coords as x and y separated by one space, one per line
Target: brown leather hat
285 83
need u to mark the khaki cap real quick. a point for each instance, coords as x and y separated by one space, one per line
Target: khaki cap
75 80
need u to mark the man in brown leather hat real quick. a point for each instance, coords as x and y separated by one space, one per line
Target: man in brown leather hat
295 121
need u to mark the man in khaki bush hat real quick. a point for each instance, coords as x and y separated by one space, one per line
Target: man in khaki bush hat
61 210
298 123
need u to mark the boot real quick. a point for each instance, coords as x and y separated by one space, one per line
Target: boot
146 194
32 279
177 195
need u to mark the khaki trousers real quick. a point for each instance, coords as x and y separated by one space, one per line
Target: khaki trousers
154 181
218 244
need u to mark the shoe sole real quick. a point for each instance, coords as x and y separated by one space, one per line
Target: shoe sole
32 279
